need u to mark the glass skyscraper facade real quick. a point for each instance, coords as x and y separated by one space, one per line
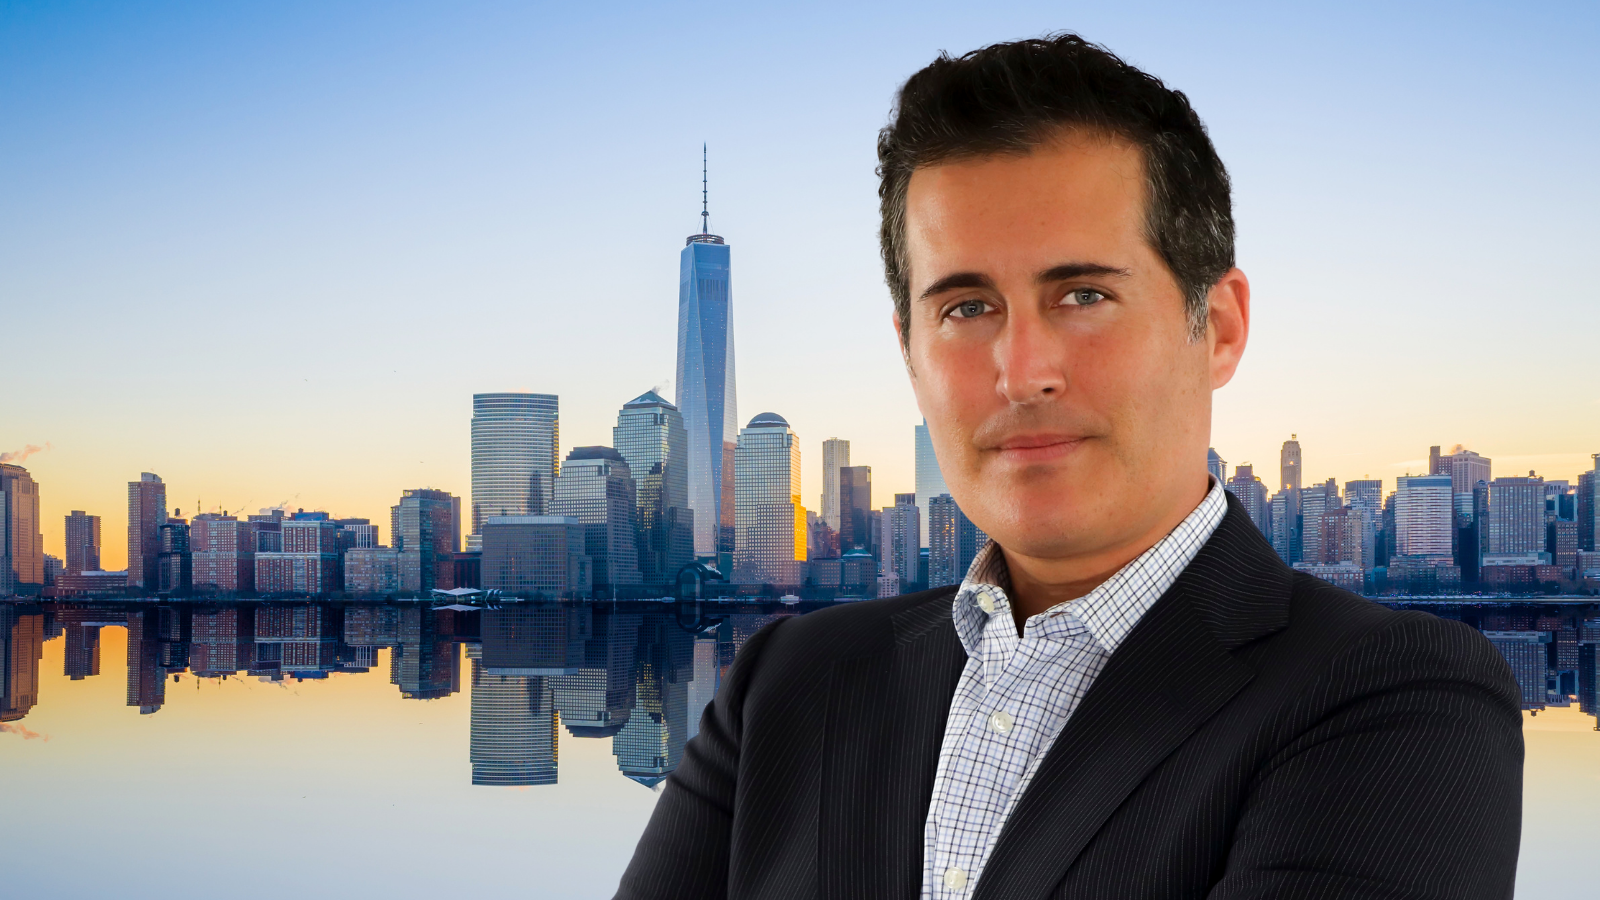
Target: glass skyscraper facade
930 481
514 463
771 545
651 438
705 385
596 488
835 456
855 508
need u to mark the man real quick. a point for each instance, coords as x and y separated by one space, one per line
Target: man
1130 695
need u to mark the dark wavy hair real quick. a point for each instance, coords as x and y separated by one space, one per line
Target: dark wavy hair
1012 97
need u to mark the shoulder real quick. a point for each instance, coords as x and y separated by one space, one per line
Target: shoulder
863 628
1357 644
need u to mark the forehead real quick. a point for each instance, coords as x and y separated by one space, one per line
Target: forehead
1074 195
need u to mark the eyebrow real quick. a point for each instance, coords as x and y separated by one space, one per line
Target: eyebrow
1063 272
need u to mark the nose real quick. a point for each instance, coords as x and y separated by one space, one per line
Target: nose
1030 359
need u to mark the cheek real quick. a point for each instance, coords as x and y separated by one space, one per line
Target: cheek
955 385
1130 376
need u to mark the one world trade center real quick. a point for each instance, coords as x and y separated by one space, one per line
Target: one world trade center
705 384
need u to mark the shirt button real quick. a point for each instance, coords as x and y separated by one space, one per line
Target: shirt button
986 602
1000 721
955 879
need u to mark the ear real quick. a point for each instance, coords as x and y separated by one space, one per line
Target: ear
1227 325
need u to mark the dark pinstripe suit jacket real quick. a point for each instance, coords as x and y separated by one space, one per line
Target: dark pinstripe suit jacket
1260 733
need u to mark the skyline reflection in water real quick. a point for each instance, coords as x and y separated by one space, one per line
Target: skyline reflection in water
362 735
636 675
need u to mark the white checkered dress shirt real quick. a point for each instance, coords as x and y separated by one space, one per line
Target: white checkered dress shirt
1016 693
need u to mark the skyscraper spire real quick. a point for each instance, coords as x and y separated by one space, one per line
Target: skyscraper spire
705 215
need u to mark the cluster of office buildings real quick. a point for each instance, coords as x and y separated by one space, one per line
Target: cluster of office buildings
1456 529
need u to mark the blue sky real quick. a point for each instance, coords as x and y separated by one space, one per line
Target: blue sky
269 250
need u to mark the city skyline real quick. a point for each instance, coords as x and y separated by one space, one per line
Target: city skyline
370 277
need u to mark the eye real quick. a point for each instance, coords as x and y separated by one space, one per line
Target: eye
1083 297
970 309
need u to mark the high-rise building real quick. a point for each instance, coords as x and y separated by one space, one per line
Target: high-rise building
771 536
835 456
1345 537
1216 465
1289 465
1465 469
1283 533
222 550
147 509
21 542
596 487
1517 516
1424 517
651 438
536 556
970 540
307 564
855 509
1252 495
930 480
1366 496
1315 502
426 529
705 384
514 455
944 542
83 542
898 546
1588 508
175 562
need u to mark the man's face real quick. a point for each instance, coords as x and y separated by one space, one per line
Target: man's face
1049 348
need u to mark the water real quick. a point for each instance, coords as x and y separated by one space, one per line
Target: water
401 751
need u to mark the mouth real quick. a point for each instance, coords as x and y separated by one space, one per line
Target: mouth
1035 448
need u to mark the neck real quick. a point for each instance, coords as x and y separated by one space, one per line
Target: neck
1039 583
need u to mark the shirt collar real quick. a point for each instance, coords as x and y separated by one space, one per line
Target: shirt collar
1109 611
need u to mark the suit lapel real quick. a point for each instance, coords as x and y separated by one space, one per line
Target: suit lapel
1173 672
886 716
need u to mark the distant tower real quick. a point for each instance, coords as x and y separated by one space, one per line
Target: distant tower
596 487
1289 466
898 544
930 481
705 382
771 546
514 461
855 508
425 527
650 436
835 456
1216 465
147 512
83 542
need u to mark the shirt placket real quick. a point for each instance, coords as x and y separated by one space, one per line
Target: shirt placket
995 745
